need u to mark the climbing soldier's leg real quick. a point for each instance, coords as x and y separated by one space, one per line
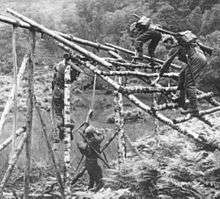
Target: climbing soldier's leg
58 106
91 179
181 88
98 178
190 88
191 95
138 44
95 174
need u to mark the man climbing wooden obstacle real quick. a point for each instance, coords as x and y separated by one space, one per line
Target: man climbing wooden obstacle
58 94
185 47
142 31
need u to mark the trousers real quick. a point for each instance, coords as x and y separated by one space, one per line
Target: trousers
189 77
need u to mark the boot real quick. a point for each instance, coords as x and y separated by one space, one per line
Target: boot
193 107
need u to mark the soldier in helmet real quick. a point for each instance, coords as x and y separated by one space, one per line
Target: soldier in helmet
94 138
189 52
142 31
58 93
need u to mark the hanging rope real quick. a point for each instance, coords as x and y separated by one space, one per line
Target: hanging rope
88 117
91 109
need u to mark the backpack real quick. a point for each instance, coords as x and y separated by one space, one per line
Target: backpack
187 37
133 30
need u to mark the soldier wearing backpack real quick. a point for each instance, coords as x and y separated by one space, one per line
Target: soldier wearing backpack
142 31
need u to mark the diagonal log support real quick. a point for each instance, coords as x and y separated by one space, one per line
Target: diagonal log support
8 141
51 153
11 95
32 40
12 163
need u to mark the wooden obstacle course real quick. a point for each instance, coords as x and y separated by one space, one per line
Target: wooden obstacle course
92 61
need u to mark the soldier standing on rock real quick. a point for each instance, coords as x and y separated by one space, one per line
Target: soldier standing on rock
93 141
58 94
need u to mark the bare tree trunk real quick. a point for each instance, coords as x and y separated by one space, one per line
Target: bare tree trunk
15 64
119 121
29 115
119 118
67 135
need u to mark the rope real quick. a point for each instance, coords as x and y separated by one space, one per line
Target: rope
90 112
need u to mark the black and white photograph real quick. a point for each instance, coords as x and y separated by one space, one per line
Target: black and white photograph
109 99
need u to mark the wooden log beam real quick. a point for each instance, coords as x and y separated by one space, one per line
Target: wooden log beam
11 95
14 22
51 153
201 113
9 140
15 71
138 74
210 100
132 66
67 134
32 42
12 162
124 137
109 80
171 105
119 123
156 114
147 89
61 39
22 24
146 57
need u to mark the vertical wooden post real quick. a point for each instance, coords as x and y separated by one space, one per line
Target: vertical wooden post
15 65
51 153
29 114
67 134
119 121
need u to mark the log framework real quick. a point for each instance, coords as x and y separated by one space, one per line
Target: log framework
71 44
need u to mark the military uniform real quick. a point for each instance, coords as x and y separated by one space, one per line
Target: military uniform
58 94
144 31
196 61
94 170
